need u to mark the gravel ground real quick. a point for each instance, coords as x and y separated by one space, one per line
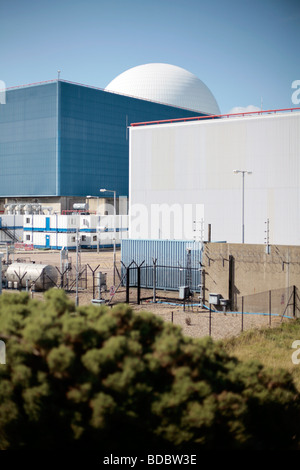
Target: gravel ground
195 322
218 325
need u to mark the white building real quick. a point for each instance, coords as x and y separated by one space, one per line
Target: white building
11 228
167 84
182 172
60 231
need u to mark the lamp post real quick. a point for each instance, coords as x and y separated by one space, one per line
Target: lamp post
243 172
98 240
112 191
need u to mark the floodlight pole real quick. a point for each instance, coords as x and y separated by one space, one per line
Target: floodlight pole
243 172
97 234
112 191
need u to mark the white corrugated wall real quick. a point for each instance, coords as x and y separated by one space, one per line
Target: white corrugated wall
189 164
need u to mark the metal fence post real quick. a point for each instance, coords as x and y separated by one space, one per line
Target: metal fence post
138 285
1 256
154 280
242 314
270 308
93 278
127 284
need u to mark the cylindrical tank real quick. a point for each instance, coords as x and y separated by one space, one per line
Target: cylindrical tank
80 206
28 209
10 208
44 276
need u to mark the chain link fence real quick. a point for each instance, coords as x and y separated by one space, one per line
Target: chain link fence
283 302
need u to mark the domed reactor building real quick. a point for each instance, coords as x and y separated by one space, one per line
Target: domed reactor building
166 84
62 142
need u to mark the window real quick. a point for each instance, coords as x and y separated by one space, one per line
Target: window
27 237
83 238
94 238
28 220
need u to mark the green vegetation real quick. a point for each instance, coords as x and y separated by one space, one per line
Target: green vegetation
110 379
272 347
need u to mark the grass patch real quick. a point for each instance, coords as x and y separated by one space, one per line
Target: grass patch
272 347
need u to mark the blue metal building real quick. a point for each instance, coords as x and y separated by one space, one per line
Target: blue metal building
63 139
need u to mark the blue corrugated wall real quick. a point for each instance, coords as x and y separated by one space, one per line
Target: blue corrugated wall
28 124
94 141
171 261
69 140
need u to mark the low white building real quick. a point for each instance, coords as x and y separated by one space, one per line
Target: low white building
11 228
60 231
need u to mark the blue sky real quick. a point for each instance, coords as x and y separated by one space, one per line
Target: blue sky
246 52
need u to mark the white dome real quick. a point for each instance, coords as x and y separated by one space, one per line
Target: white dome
167 84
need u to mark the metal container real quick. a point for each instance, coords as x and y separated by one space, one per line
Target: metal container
183 292
101 281
171 262
214 299
43 276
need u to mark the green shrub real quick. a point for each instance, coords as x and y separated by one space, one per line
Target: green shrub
100 378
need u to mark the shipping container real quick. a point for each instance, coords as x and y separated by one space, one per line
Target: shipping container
176 262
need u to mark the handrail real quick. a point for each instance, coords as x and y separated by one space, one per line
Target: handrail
214 116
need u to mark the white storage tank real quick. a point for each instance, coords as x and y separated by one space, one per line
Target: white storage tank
43 276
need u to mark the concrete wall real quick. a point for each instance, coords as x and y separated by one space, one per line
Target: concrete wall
250 270
105 206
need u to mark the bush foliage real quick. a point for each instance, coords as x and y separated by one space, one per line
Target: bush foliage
100 378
